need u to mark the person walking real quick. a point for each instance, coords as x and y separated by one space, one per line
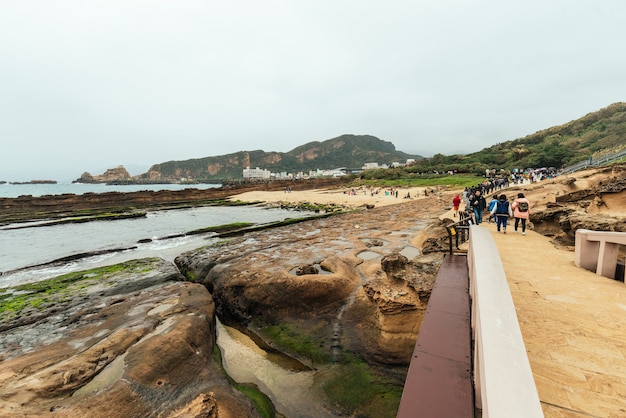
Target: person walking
478 205
521 211
456 202
502 211
492 204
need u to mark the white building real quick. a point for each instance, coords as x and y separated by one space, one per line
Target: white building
255 173
337 172
370 166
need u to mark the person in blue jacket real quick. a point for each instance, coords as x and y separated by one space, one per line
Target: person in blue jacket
502 211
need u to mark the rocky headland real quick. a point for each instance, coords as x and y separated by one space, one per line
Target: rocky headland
338 294
118 173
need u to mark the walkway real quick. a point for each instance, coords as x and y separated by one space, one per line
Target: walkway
574 327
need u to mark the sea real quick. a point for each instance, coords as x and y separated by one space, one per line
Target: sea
35 189
29 253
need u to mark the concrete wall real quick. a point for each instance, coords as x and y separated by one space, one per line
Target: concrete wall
503 381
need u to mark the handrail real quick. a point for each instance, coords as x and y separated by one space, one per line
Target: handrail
503 381
459 230
592 162
439 380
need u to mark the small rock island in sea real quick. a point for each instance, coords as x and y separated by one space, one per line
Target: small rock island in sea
34 182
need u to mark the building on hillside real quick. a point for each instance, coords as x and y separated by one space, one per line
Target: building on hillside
373 166
396 164
256 173
370 166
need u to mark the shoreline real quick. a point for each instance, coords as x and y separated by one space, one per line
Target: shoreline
363 197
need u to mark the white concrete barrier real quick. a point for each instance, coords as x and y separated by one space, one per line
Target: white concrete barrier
503 381
597 250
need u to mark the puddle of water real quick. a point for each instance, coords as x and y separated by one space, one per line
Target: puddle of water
110 374
410 252
245 362
368 255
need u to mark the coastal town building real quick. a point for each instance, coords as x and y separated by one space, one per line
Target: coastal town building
259 173
337 172
256 173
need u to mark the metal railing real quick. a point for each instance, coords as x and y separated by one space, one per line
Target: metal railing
591 162
458 232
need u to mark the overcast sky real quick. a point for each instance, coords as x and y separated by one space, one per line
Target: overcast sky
90 85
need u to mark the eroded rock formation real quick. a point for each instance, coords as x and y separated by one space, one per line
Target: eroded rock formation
592 199
125 342
376 295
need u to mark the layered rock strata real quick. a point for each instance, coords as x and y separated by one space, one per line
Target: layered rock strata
121 342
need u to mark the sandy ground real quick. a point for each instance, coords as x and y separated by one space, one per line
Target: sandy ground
351 198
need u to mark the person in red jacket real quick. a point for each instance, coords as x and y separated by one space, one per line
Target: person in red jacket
456 202
521 211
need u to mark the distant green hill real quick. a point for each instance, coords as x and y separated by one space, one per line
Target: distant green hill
594 134
351 151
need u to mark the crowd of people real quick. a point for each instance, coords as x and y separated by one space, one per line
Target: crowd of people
499 208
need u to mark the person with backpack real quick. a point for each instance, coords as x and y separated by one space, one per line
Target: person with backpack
521 211
502 211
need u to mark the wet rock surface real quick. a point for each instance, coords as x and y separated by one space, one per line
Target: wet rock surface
130 341
376 300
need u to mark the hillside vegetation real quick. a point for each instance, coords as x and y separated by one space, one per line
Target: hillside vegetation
596 133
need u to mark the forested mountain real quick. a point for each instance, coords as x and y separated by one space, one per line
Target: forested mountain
351 151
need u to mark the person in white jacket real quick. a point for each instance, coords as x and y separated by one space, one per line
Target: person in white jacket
502 211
